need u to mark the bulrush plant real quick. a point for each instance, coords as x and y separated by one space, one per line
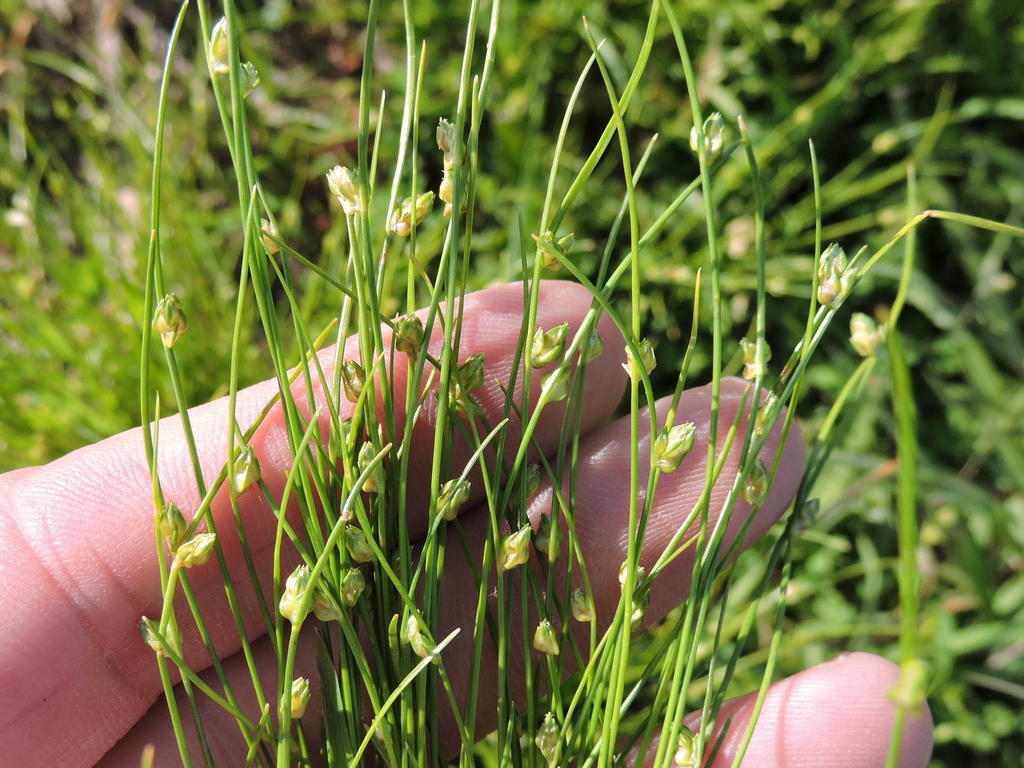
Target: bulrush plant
420 579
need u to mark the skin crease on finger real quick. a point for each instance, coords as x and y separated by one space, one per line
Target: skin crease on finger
77 550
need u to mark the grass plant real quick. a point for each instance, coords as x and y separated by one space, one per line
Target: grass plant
906 537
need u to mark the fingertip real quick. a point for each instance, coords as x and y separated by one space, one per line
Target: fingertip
836 714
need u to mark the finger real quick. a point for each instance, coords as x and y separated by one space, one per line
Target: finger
223 736
602 527
836 714
78 544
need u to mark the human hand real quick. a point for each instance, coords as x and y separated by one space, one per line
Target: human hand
78 566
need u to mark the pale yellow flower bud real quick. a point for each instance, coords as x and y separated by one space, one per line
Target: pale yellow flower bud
247 471
353 379
548 539
515 549
172 526
647 360
548 346
294 592
554 385
358 546
409 335
219 46
592 347
197 550
865 334
545 639
169 320
833 278
714 137
582 606
451 496
547 738
671 446
298 697
344 186
755 487
353 584
756 355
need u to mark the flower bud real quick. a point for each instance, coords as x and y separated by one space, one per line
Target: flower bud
714 137
582 606
908 693
647 359
375 481
554 385
515 549
550 250
833 279
766 412
250 78
447 141
358 546
547 738
172 526
545 640
639 608
409 334
197 550
685 754
673 445
414 636
756 355
299 697
548 538
294 591
149 630
325 607
531 479
472 372
353 584
412 211
247 471
344 187
169 320
269 236
446 191
451 497
756 485
641 574
219 46
865 334
353 379
592 347
548 345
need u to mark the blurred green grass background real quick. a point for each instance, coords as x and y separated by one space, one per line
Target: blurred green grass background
876 85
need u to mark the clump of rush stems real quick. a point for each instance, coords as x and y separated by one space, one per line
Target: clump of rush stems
370 592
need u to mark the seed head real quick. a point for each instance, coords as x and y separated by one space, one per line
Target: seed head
756 355
353 379
756 485
582 606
